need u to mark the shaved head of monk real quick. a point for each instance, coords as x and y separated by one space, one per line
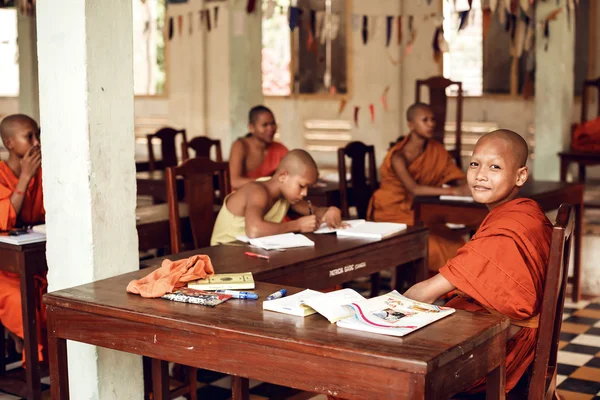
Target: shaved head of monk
19 133
296 172
497 168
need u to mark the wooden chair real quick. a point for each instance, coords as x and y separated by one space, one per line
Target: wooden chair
438 101
362 187
167 138
542 372
202 146
198 176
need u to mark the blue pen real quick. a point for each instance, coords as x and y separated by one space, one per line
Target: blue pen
278 294
239 295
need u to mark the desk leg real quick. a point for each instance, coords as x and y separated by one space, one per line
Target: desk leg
496 382
57 359
160 380
240 388
581 173
564 168
30 328
577 249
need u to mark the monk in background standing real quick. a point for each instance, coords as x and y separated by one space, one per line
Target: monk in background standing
503 268
256 155
419 165
21 204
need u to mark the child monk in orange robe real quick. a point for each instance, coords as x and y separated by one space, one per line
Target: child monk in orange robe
419 165
256 155
21 203
503 268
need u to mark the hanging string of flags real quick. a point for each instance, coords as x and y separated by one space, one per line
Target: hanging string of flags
208 18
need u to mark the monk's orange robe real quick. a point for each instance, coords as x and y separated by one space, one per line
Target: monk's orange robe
503 269
393 203
587 137
32 212
274 155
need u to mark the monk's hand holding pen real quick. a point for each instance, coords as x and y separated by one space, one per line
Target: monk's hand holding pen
308 223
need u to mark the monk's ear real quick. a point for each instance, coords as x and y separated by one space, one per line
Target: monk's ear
411 126
282 176
522 175
8 143
251 128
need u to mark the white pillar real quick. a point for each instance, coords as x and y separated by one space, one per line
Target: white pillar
554 80
86 104
245 71
28 66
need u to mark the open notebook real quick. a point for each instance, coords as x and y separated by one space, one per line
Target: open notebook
365 229
389 314
283 241
25 238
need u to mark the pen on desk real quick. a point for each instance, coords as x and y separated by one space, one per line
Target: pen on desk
278 294
310 211
249 254
239 295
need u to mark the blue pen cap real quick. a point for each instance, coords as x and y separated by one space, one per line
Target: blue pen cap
283 292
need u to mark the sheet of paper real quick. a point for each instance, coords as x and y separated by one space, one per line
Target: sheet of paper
293 304
330 305
284 241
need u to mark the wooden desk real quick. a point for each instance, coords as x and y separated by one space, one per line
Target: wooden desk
582 159
550 195
27 261
310 354
332 261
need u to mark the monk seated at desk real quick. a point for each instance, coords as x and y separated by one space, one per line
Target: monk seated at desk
502 269
256 155
419 165
258 208
21 204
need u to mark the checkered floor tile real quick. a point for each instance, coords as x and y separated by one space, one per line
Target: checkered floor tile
578 370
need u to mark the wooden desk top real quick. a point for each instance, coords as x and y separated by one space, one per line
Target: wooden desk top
228 258
535 190
244 320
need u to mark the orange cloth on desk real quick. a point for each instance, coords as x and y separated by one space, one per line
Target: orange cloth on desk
503 268
172 275
269 165
393 203
587 137
32 212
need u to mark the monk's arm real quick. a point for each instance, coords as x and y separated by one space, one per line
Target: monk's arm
236 165
399 165
430 290
29 166
257 205
18 196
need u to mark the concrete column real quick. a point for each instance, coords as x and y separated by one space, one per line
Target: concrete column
85 52
245 72
554 80
28 66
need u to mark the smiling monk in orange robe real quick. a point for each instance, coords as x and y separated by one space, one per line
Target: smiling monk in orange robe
419 165
21 203
503 268
256 155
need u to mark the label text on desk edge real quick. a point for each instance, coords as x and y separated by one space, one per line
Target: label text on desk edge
347 268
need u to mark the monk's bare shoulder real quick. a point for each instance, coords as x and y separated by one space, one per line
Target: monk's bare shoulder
252 194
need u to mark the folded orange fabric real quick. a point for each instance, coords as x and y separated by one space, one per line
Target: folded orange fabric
172 275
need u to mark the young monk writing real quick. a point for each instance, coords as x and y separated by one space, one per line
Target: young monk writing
21 203
256 155
419 165
257 209
502 269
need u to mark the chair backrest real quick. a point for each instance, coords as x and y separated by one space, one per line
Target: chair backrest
589 84
362 186
438 100
198 174
201 146
167 138
543 369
